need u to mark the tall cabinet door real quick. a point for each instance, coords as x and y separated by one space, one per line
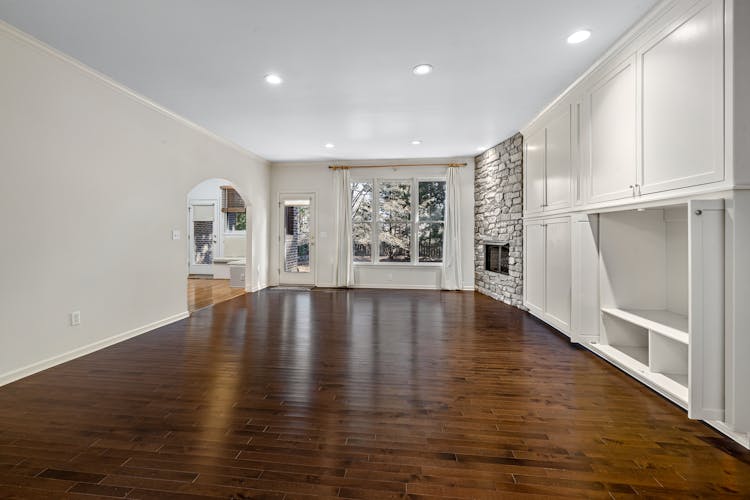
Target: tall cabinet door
611 140
558 277
534 184
706 324
558 164
683 102
534 265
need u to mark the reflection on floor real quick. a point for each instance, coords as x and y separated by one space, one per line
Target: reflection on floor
367 394
205 292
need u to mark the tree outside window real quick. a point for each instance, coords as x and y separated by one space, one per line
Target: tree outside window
390 219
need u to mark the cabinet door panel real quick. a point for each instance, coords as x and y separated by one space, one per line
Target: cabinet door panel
534 181
558 169
534 267
558 277
612 134
682 103
706 289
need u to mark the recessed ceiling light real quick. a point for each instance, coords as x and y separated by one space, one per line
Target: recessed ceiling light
273 79
330 145
579 36
416 142
422 69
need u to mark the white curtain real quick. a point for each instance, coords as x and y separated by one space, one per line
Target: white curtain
343 192
452 276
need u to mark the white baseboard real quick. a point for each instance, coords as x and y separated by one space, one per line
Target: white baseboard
738 437
393 286
12 376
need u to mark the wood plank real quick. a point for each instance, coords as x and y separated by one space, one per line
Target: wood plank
358 394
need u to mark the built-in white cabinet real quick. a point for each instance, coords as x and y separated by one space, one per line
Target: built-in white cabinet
548 163
682 102
534 249
610 138
653 118
534 178
624 249
547 270
662 297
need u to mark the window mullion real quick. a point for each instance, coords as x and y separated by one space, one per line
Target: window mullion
414 220
375 222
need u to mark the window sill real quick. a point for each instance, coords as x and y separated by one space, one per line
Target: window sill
398 264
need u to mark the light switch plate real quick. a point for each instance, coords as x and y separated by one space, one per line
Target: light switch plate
175 234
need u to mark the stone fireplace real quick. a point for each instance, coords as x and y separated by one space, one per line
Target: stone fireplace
498 222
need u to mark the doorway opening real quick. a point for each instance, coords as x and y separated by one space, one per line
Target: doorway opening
217 243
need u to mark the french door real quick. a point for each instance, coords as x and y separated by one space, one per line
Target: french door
203 235
297 239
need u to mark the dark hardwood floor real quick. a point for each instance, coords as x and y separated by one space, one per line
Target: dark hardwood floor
354 394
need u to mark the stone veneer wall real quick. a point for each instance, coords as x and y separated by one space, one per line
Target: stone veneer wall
498 217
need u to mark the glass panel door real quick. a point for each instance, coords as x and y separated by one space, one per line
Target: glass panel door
203 236
297 240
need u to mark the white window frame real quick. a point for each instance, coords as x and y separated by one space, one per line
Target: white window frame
225 225
413 221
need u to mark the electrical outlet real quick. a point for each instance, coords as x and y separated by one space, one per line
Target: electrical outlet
75 318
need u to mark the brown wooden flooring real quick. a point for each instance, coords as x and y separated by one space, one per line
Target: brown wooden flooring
206 292
353 394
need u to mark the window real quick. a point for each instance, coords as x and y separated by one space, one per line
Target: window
431 220
403 222
233 208
362 221
394 222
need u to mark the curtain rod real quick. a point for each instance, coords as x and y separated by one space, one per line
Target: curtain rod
347 167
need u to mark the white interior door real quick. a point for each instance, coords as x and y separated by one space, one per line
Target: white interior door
203 235
297 239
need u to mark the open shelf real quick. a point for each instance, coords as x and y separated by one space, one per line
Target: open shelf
667 323
673 386
639 354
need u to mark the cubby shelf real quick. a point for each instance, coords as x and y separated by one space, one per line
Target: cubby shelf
667 323
674 386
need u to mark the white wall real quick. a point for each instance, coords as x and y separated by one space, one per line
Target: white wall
316 177
109 173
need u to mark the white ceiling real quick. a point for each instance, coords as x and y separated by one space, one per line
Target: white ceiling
346 65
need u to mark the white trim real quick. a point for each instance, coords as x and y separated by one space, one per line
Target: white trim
739 437
256 288
390 286
33 368
469 288
401 265
38 44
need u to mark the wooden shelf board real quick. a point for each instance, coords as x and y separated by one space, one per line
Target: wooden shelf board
666 323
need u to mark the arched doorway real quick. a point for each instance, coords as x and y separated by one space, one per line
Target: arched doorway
217 240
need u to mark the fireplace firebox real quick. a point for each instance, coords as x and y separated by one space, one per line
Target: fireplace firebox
496 257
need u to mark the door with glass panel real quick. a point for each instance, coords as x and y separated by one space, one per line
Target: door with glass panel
297 239
203 235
